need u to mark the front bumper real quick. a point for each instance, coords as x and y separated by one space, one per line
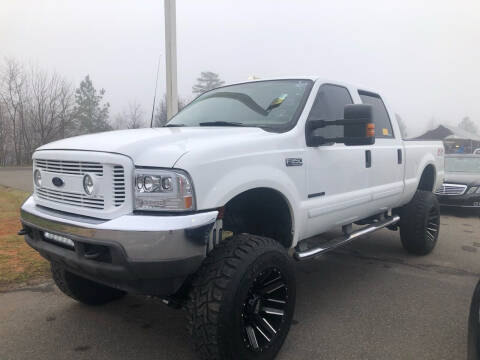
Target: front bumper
465 200
146 254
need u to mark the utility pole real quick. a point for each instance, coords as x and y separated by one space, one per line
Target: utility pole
171 57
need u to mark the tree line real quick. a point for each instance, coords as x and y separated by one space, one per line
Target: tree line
38 107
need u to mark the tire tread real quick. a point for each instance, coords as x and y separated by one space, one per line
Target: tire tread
412 222
210 287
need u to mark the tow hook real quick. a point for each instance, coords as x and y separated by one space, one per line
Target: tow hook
23 231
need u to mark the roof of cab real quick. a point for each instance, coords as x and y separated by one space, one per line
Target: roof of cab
314 78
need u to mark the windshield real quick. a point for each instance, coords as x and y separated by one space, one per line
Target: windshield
463 164
273 104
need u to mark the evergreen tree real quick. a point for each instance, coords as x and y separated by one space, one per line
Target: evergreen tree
91 113
207 81
468 125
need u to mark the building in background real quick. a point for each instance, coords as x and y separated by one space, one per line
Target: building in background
456 140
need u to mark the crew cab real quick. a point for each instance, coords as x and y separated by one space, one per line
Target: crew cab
209 211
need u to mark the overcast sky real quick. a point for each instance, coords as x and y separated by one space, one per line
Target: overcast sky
423 56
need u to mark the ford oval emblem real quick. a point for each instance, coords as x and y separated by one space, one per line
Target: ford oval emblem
57 181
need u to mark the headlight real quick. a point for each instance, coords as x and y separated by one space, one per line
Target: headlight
37 178
88 184
472 190
167 190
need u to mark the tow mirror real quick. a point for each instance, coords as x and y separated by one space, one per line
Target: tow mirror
358 127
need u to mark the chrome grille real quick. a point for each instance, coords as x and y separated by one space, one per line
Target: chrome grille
451 189
118 185
69 167
69 198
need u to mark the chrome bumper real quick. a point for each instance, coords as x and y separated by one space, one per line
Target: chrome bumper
142 237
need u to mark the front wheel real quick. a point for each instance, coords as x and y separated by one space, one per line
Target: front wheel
242 301
420 223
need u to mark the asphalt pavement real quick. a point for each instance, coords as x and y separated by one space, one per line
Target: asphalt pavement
368 300
17 177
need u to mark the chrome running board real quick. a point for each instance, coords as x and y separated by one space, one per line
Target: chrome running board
332 244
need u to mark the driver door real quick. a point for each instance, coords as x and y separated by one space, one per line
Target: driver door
338 189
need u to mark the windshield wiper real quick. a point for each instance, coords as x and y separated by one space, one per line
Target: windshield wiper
174 125
221 123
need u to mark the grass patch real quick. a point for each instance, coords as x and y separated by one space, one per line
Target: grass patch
19 263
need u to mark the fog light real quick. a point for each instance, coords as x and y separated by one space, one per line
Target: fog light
37 178
88 184
60 239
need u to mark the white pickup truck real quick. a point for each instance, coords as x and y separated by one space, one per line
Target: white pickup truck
208 211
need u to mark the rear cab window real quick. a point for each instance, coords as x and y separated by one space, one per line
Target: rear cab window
383 125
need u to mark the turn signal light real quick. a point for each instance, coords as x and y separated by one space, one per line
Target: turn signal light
188 202
370 130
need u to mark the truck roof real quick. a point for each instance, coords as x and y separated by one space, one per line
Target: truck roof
313 78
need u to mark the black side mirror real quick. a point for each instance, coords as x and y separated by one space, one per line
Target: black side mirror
358 127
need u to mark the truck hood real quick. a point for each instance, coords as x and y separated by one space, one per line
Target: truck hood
160 147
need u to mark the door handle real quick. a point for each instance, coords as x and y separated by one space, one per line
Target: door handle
399 156
368 159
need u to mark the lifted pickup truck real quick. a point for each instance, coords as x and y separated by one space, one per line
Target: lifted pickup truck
208 211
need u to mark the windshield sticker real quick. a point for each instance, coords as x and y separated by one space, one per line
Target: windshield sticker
385 131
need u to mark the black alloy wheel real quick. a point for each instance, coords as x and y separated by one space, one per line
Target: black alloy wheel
433 224
420 223
264 309
242 300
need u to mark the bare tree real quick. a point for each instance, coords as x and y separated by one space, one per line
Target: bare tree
131 118
136 118
11 96
35 108
50 108
160 118
4 138
66 115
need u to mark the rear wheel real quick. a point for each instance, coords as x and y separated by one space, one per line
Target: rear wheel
83 290
242 301
474 326
420 223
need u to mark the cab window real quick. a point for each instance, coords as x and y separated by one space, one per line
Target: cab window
328 105
383 125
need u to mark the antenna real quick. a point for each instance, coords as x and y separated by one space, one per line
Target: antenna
155 93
